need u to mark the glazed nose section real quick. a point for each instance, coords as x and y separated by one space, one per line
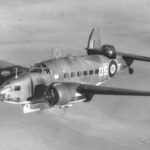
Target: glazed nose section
2 94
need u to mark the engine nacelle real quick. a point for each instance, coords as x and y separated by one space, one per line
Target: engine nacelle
60 93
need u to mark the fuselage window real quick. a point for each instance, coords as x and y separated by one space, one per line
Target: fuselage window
79 74
66 75
47 71
73 74
17 88
97 71
85 73
91 72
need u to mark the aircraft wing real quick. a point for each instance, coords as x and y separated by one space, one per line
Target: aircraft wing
93 90
86 91
134 57
8 70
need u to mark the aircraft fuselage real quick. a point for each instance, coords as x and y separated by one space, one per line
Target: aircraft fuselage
91 69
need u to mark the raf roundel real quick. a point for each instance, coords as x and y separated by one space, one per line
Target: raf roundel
112 68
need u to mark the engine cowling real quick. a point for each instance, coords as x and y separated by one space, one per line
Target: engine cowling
60 93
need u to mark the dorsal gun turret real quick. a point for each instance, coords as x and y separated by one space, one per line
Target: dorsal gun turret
94 46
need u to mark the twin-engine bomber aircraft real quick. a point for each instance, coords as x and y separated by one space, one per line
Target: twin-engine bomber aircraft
64 81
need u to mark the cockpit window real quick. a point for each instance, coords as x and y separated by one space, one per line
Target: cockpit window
17 88
37 65
39 68
47 71
43 65
36 68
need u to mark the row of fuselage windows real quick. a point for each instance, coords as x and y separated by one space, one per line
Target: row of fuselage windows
80 73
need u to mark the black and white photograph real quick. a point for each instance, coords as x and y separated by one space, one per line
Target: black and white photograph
74 75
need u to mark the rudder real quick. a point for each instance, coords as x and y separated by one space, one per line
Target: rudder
94 41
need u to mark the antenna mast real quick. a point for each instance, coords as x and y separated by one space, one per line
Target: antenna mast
16 76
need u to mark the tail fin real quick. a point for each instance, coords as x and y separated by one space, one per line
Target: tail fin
94 41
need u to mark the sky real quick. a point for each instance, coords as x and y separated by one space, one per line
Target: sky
32 30
37 30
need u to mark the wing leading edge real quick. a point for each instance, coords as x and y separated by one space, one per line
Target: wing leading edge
93 90
134 57
9 70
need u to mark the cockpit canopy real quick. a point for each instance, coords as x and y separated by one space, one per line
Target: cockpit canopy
39 68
